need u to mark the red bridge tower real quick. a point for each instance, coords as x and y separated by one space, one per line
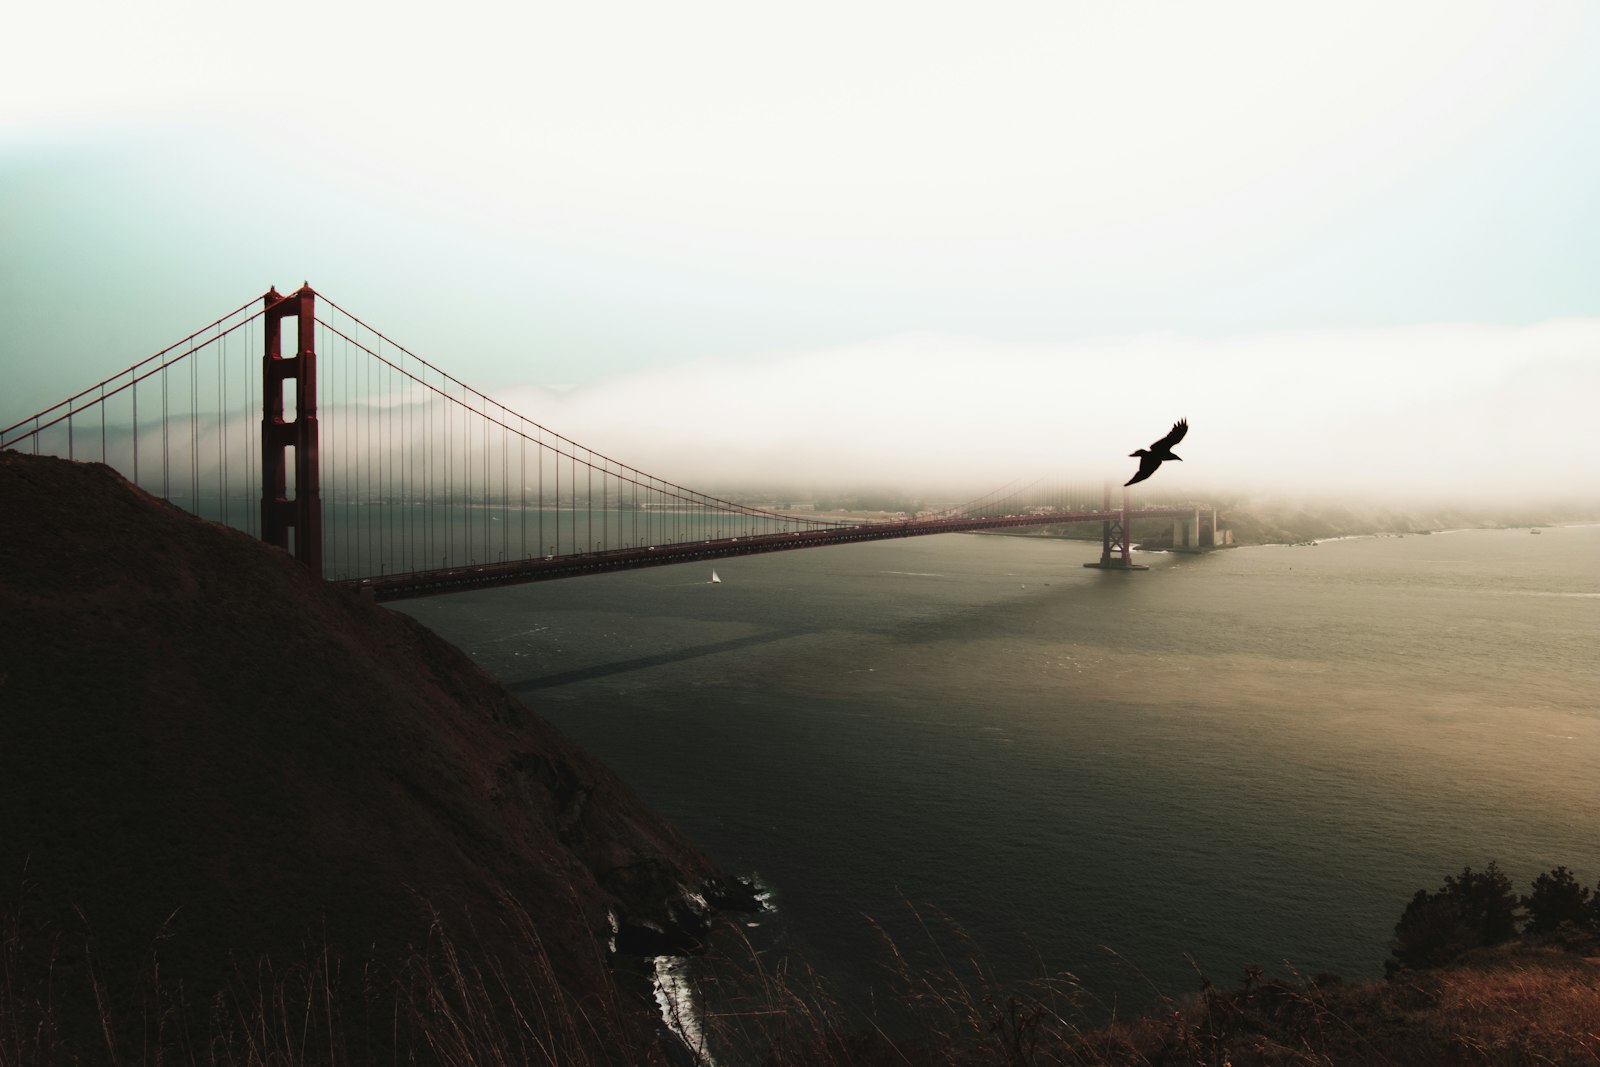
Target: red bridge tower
280 513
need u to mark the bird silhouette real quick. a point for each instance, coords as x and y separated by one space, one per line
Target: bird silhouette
1158 453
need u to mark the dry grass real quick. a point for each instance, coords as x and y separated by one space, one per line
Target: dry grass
1515 1005
450 1002
453 1003
1508 1006
1525 1006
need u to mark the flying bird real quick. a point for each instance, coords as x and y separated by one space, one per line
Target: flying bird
1158 453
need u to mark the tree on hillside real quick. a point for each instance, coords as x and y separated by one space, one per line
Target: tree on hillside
1558 898
1471 910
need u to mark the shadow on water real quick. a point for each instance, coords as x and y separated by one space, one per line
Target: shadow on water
1012 615
602 670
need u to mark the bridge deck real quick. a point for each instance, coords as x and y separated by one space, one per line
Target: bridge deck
549 568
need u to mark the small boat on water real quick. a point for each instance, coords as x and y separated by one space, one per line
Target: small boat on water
1537 531
714 579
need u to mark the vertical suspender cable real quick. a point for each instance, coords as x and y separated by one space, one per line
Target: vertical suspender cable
411 479
505 480
350 535
248 424
522 483
332 404
449 481
487 474
194 433
166 445
430 472
488 552
385 467
222 426
367 487
338 473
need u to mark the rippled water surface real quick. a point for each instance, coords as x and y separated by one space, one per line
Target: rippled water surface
1251 756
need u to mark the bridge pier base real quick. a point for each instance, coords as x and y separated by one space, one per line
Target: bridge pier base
1115 552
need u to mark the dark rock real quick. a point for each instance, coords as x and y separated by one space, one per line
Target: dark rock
734 893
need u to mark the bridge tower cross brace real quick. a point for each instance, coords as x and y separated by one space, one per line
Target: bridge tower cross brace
281 513
1115 554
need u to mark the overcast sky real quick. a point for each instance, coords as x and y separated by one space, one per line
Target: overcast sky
1355 243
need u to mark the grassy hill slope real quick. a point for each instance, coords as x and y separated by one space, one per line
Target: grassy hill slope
209 758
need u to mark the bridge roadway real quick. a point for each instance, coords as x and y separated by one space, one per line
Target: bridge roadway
549 568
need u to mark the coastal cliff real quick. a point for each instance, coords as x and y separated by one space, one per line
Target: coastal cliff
213 765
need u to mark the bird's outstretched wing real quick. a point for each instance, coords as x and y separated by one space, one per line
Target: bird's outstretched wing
1174 435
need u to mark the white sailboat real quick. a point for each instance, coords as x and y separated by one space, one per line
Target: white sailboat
714 579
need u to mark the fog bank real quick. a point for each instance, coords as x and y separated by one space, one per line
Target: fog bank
1436 412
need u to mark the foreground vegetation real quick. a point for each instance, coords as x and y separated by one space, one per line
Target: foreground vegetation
1478 975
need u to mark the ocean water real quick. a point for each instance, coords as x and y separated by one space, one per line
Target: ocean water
1252 756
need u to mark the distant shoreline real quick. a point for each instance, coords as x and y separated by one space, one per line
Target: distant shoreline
1278 527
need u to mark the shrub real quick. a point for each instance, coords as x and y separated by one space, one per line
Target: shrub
1471 910
1558 898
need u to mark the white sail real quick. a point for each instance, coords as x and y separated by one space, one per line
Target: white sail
714 577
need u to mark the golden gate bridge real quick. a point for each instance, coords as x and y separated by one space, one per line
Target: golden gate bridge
379 470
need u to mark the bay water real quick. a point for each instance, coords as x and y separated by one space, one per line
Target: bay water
1253 756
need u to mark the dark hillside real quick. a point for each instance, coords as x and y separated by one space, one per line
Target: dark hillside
208 754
